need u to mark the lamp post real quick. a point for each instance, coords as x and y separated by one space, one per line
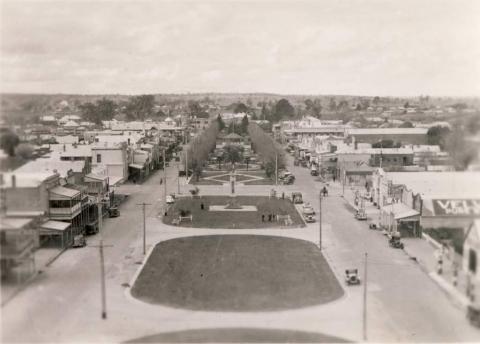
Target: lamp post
320 221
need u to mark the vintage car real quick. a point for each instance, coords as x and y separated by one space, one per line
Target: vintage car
170 199
309 218
395 242
351 277
113 212
79 241
308 210
361 215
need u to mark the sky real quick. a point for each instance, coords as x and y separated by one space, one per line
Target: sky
356 47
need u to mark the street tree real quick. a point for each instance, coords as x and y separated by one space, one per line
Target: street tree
9 141
266 147
24 150
437 135
233 153
221 123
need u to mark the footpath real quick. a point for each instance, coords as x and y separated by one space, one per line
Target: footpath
425 251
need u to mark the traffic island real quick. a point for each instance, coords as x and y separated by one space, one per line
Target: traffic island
250 212
239 335
241 273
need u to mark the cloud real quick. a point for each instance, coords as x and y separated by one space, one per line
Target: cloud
370 47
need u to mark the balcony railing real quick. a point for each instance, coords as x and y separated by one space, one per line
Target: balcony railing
65 213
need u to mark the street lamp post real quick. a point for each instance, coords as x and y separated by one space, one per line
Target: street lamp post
365 300
320 221
144 227
165 180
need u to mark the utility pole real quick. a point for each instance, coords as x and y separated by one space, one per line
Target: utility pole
365 300
101 246
165 177
276 169
144 227
320 221
178 178
102 278
186 166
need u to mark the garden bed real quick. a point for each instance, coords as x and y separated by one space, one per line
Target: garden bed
232 219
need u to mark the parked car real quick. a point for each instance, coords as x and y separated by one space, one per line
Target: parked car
289 180
113 212
309 218
395 242
79 241
91 228
170 199
307 209
351 277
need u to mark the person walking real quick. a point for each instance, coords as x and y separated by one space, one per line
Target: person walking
263 217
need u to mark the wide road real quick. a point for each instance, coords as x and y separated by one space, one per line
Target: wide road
63 303
403 302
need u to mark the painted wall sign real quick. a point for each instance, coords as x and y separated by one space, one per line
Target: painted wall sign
456 207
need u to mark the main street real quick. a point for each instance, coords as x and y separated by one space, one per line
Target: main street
63 303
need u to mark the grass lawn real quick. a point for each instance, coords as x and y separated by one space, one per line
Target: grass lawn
232 219
236 273
265 181
238 335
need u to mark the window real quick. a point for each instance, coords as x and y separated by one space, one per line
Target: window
99 158
472 261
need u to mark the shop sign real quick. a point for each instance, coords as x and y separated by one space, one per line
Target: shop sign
456 207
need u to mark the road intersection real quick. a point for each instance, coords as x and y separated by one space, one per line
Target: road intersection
63 303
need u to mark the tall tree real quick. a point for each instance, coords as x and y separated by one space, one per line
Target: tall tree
240 108
438 136
244 124
221 123
283 109
9 141
139 107
332 104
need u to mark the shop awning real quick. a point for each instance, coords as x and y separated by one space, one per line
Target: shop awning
137 166
400 211
55 225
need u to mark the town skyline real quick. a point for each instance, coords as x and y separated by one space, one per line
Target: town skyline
388 48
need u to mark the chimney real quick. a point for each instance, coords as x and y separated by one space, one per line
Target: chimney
14 181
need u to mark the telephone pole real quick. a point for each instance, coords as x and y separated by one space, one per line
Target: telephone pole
320 221
165 177
276 169
365 299
144 227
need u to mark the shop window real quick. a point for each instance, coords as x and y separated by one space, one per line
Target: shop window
472 261
99 158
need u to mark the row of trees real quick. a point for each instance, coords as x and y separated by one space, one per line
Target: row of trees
137 108
453 141
266 147
200 147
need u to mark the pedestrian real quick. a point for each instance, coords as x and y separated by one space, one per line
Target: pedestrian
202 206
269 217
161 181
283 195
334 178
263 217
